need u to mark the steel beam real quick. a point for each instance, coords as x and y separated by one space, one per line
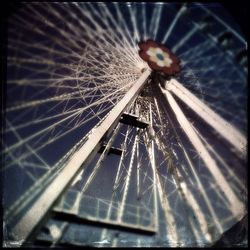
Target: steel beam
228 131
101 222
37 213
237 207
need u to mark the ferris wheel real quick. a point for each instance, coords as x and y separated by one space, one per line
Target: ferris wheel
103 149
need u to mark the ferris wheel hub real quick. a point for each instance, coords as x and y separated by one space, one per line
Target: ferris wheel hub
159 58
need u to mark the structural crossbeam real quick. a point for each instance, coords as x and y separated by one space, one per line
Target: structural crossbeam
133 120
112 150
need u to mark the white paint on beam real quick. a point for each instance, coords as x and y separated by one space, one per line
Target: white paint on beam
176 18
125 192
171 227
153 165
184 40
229 132
236 206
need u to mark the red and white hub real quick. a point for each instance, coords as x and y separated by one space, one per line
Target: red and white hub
159 58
